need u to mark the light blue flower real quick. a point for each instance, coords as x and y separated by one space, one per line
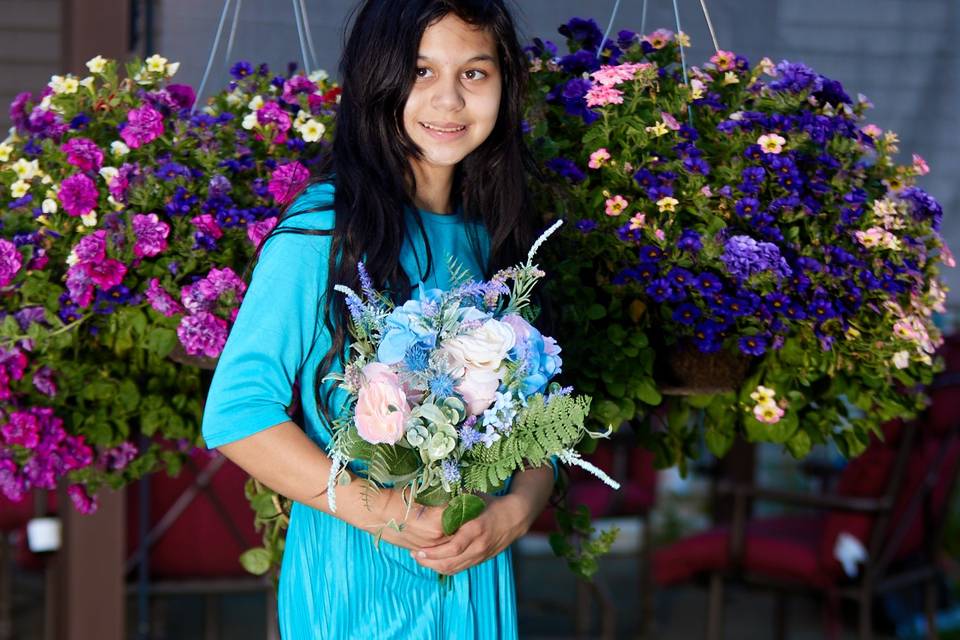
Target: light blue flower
407 325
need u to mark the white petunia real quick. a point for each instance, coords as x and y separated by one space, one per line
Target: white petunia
108 173
97 64
255 103
89 219
318 76
5 151
25 169
49 206
19 188
119 148
312 130
172 69
87 83
249 121
901 359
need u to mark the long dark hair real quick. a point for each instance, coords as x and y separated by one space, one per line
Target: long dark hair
370 169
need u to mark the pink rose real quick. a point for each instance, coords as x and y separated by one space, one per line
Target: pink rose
479 389
382 407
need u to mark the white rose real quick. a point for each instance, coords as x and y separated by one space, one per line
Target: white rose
483 348
479 389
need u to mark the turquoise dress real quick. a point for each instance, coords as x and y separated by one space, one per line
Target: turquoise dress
333 582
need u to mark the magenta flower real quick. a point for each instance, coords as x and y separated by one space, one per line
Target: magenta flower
10 262
295 85
161 301
12 483
182 94
203 334
206 223
78 194
287 181
83 153
224 280
258 230
143 126
21 429
82 501
106 274
151 235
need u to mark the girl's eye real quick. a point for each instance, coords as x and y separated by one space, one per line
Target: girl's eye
475 74
423 72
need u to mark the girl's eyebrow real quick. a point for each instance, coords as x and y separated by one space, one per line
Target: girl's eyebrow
483 57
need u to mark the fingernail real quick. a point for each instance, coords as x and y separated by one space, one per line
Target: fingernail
421 554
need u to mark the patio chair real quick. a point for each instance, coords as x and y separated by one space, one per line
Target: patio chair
893 499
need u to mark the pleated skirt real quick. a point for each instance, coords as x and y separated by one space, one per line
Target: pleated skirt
336 585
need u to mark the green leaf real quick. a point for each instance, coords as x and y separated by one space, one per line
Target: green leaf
718 441
648 393
595 312
461 509
256 560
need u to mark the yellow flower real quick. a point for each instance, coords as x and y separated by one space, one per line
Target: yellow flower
87 83
97 64
5 151
658 129
119 148
730 78
89 219
156 64
763 395
49 206
683 39
667 204
255 103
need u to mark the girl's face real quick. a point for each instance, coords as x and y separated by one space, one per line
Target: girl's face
455 99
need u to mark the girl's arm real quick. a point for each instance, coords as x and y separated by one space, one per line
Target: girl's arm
286 460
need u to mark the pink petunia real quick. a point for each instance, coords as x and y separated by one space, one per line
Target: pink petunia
82 500
79 195
287 181
92 247
83 153
257 231
151 235
144 125
106 274
203 334
600 96
21 429
161 301
205 223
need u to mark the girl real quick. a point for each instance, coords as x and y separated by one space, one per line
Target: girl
428 162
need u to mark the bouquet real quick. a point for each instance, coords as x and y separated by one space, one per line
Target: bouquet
450 394
748 217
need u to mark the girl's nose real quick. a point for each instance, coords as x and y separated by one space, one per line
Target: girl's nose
448 95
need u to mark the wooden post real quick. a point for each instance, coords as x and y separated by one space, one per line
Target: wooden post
92 590
93 27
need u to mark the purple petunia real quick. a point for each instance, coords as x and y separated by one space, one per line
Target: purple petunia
10 262
161 301
566 168
202 334
78 194
151 235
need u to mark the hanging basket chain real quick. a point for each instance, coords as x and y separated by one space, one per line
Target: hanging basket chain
314 58
213 52
606 35
706 15
233 33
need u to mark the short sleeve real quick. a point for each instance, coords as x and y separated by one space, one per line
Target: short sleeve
276 327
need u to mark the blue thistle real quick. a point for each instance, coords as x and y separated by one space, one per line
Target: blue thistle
441 385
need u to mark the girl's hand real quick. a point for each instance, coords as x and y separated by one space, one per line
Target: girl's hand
505 519
421 527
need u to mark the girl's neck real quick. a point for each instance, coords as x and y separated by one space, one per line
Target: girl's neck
433 188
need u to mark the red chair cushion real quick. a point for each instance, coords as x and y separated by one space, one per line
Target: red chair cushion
784 548
199 544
